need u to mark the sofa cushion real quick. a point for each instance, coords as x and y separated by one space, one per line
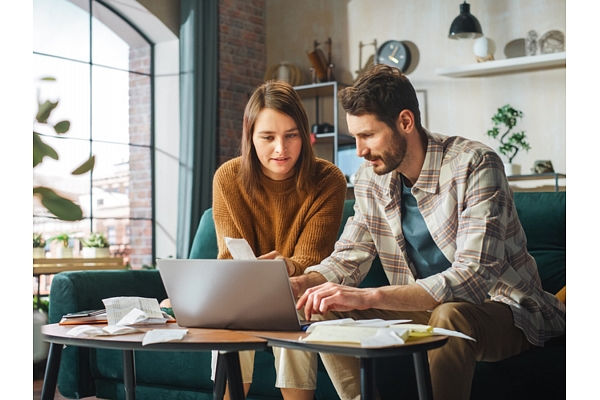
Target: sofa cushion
205 242
543 217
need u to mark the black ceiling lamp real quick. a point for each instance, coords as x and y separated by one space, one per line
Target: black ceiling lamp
465 26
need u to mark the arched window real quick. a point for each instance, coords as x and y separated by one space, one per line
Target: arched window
104 87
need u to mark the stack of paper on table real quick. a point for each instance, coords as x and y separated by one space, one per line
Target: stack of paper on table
85 317
121 311
372 333
124 315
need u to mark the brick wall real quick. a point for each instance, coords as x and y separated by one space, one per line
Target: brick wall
242 65
140 184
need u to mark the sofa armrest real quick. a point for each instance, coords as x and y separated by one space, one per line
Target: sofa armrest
84 290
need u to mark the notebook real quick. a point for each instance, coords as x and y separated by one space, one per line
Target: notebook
230 294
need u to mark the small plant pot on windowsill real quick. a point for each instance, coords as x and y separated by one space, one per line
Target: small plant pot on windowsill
39 252
96 252
64 252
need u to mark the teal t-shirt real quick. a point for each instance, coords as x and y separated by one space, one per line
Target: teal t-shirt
422 250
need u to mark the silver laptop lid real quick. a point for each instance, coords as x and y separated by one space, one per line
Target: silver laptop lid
230 294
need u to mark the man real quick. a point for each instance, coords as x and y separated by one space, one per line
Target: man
440 214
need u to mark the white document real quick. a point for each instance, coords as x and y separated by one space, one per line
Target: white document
373 323
109 330
118 307
385 337
137 316
163 335
339 334
372 333
239 249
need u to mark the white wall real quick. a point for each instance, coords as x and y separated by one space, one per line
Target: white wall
455 106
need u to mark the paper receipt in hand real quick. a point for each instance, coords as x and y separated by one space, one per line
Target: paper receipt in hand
239 249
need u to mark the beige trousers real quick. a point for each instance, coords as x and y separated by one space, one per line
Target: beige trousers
451 366
295 370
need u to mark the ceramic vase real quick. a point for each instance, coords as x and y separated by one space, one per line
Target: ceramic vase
512 169
64 252
484 49
39 252
96 252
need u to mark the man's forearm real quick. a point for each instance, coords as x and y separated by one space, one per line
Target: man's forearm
403 298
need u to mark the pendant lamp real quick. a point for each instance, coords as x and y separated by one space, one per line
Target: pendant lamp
465 26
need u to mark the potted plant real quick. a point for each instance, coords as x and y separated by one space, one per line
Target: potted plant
38 246
95 246
510 142
63 250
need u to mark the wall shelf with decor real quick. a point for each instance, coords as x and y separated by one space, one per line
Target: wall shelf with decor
321 104
555 176
497 67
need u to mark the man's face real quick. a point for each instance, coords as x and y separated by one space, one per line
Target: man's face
378 143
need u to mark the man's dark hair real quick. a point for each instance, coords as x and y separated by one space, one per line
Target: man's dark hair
383 92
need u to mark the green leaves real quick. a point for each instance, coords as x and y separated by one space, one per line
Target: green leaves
85 167
95 240
63 208
509 145
41 150
62 127
44 111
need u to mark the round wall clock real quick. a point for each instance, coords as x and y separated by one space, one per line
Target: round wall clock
394 53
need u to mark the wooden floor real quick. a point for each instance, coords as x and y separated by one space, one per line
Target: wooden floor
38 380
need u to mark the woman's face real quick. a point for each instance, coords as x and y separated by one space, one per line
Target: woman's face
277 142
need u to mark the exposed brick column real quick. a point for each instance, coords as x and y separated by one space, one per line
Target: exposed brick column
242 66
140 168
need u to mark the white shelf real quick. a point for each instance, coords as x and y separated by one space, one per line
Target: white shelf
542 61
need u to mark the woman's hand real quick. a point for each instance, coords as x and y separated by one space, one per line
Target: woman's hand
274 255
166 303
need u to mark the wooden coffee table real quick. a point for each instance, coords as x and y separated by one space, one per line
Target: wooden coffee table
227 342
416 347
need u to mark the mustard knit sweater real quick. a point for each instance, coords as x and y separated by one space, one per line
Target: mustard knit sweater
274 217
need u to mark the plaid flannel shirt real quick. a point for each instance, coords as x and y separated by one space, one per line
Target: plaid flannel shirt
464 197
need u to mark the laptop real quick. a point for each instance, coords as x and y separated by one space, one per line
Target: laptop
230 294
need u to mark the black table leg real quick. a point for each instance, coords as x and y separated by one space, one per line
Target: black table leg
368 387
129 374
234 375
220 379
423 376
51 374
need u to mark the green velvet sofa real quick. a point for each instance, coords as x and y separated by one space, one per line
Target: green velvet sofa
539 373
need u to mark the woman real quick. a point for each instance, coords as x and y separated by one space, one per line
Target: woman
284 201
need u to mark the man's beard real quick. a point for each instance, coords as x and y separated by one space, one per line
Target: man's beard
391 159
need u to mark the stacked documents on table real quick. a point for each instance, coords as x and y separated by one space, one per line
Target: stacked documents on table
121 311
372 333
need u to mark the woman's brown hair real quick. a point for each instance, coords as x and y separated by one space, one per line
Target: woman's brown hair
279 96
